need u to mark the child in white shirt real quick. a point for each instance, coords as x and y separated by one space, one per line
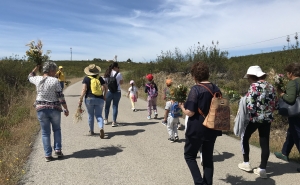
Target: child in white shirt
133 95
174 112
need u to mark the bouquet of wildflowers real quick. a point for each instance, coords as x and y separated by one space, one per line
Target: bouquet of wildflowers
35 53
278 79
179 93
78 114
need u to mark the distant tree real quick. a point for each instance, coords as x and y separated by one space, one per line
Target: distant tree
129 60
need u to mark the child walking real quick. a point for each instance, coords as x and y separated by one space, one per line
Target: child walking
152 91
174 112
133 95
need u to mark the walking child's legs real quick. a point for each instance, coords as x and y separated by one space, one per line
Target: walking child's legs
154 100
149 104
170 127
132 102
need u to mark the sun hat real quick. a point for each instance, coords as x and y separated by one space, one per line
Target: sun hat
92 69
168 81
149 77
254 70
131 82
60 67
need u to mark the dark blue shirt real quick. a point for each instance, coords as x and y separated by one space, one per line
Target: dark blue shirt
199 97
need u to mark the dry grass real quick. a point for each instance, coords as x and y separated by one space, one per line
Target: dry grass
16 148
277 136
17 145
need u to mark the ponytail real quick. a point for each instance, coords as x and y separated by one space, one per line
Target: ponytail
108 71
132 87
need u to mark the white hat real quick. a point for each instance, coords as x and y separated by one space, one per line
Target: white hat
254 70
131 82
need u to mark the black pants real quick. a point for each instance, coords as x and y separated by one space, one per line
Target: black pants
264 140
191 148
292 137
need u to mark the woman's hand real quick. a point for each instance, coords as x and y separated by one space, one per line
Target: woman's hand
66 112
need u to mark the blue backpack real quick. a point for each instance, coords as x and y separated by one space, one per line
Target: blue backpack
175 110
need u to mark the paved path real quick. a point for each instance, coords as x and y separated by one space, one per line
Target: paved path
138 152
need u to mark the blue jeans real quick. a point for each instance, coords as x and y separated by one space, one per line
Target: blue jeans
115 97
94 108
62 84
47 117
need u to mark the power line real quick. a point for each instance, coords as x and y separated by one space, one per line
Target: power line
258 42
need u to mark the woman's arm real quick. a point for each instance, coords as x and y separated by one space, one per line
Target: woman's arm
104 90
84 88
186 111
290 95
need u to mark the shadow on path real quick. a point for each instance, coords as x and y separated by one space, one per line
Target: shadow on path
139 123
124 133
72 95
91 153
232 179
223 156
273 169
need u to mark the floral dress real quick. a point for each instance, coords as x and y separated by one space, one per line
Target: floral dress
261 101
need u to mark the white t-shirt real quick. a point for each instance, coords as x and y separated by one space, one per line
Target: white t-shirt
118 77
132 91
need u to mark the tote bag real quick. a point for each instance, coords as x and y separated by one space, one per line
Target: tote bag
290 110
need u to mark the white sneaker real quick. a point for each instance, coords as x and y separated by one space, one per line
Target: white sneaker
261 173
114 124
105 121
155 115
245 167
148 117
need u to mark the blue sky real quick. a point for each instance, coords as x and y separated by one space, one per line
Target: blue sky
141 29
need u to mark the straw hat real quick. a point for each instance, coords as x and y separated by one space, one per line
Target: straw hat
92 69
60 67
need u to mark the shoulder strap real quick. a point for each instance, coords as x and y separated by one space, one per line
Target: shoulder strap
116 74
207 89
199 110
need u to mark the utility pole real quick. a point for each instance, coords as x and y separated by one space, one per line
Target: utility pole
288 40
71 53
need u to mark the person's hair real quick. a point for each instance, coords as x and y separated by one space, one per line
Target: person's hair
110 67
132 87
200 71
253 78
49 66
293 68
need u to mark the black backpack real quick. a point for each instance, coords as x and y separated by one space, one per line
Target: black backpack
112 83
